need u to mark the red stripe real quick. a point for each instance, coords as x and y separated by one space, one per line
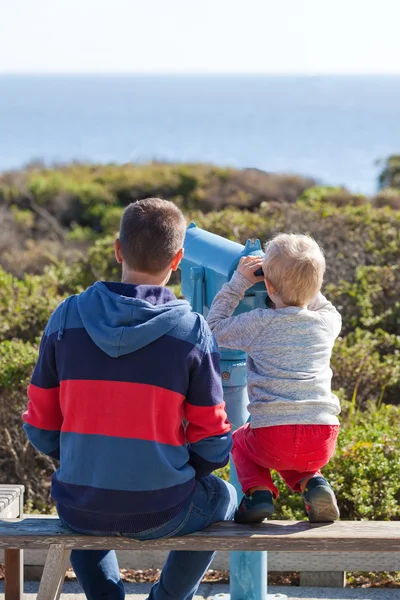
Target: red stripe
43 410
205 421
122 409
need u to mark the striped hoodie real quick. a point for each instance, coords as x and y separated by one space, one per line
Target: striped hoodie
127 394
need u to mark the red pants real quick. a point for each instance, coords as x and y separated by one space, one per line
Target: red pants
294 451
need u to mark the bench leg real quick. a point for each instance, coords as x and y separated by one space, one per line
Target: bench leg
14 574
54 572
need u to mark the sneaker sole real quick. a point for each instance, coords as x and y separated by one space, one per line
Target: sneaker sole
323 507
253 516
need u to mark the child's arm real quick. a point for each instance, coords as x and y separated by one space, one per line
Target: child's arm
208 431
235 332
328 313
43 417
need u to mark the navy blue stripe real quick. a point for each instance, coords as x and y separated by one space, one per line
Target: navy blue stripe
162 363
205 385
84 497
45 373
204 467
166 362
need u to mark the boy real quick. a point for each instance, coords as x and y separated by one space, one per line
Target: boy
121 367
294 424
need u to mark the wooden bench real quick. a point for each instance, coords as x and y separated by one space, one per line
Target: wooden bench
277 536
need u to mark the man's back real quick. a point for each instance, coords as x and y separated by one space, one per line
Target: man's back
121 367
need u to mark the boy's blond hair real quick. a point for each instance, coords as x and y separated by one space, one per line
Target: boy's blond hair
295 266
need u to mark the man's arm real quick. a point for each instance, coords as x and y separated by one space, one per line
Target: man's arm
328 313
43 417
208 431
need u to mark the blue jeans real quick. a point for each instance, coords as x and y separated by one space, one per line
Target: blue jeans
98 572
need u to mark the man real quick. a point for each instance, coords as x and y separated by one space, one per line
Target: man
127 395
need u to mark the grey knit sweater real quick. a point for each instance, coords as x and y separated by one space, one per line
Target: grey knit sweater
288 356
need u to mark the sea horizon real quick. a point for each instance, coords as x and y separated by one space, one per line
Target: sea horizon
333 128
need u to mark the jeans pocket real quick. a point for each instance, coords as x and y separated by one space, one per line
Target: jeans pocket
181 525
200 513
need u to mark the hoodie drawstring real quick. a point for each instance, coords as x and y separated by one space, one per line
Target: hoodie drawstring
63 317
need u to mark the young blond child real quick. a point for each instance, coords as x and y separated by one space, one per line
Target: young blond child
294 425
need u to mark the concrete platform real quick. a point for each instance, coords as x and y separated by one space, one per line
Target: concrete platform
139 591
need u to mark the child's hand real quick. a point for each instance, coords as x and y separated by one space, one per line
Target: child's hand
247 267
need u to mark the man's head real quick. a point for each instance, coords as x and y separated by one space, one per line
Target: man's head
294 267
151 238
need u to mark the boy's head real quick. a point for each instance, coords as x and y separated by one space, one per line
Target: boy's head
294 266
151 236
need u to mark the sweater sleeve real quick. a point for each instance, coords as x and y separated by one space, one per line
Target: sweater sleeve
208 431
240 331
328 313
43 417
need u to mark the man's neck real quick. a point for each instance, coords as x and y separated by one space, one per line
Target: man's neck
137 278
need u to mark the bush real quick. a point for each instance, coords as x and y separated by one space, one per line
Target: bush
26 304
79 194
24 307
351 237
99 263
366 367
19 461
371 300
388 197
317 196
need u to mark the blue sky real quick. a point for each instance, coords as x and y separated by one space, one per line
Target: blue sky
200 36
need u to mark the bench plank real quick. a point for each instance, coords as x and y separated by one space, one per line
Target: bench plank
278 536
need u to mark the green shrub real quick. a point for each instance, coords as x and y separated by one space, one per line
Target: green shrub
17 360
79 194
371 300
111 220
81 234
350 236
366 367
99 263
19 461
25 306
320 195
387 197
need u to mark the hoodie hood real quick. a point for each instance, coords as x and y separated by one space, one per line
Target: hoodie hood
122 318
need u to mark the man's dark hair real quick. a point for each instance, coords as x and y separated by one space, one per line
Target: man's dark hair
151 233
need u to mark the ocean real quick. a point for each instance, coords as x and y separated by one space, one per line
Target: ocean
334 129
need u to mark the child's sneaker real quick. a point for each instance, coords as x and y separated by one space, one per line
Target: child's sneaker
255 508
320 501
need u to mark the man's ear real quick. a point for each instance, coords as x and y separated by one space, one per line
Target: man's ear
177 259
117 251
